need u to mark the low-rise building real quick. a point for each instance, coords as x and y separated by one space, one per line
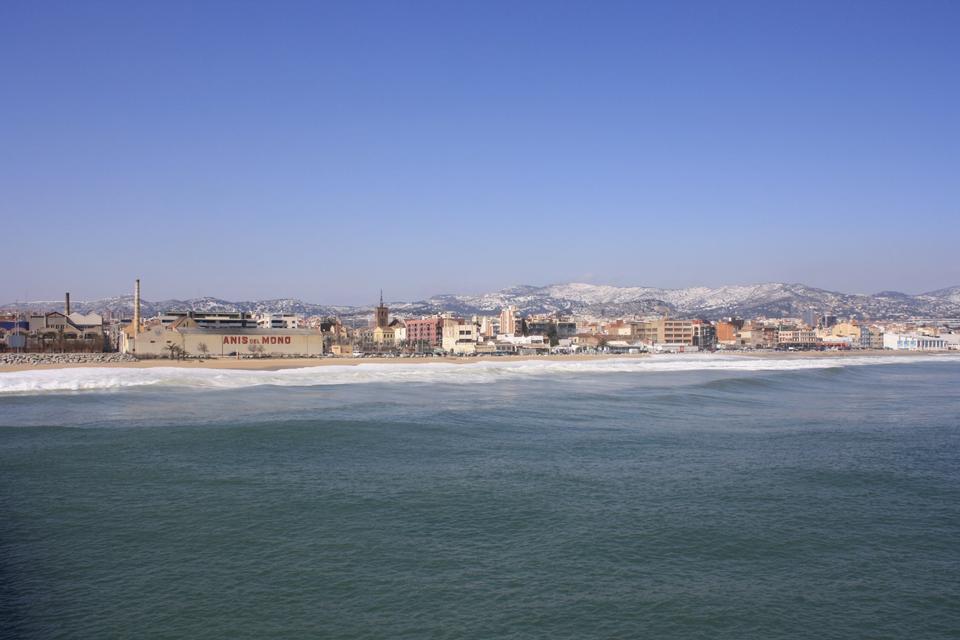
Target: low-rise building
59 332
913 342
796 337
280 321
213 319
187 338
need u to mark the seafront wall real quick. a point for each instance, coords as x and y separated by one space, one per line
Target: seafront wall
29 359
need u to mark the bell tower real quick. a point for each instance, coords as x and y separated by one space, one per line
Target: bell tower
383 313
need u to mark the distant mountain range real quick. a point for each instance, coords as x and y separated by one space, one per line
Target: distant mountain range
748 301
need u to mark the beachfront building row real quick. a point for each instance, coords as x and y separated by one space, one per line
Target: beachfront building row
237 333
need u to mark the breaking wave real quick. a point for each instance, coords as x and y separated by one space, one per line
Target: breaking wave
107 378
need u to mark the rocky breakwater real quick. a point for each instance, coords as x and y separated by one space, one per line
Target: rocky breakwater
37 359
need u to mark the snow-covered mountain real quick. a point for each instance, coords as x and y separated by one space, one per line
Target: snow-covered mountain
950 294
768 299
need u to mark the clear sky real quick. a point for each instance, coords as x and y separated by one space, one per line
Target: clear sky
324 150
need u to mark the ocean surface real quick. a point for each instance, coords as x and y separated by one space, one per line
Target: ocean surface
687 496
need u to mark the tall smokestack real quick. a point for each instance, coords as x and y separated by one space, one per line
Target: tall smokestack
136 307
66 305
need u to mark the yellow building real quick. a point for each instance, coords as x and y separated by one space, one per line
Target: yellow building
845 330
384 337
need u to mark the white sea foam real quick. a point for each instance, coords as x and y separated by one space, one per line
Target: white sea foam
106 378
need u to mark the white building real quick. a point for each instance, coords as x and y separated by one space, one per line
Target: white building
280 321
913 342
952 340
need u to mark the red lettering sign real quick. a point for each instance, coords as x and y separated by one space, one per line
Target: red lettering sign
264 340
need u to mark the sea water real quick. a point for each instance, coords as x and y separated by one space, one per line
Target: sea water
684 496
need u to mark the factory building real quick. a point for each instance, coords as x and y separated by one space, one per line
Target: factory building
215 335
191 340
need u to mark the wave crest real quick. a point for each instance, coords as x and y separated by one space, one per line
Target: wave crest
107 378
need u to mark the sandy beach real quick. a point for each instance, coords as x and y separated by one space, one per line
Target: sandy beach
276 364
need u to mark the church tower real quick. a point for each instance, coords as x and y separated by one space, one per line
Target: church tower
383 314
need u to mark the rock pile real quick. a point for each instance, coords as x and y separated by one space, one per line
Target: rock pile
31 359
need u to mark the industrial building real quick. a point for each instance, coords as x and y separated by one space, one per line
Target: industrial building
218 334
190 340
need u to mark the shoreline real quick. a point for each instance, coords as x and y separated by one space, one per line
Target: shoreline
277 364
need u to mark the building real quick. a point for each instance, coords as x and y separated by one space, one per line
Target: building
618 328
838 342
186 337
951 340
487 326
459 337
508 321
726 330
913 342
399 331
385 338
749 338
280 321
704 335
625 347
214 319
13 332
845 330
769 336
539 326
55 331
647 331
793 337
588 341
871 337
337 339
675 331
382 315
425 334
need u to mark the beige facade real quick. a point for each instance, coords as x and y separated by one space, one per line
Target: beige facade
662 331
648 331
459 337
74 332
676 331
157 341
385 337
796 336
619 328
845 330
508 321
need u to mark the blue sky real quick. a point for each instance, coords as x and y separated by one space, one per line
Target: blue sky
326 150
